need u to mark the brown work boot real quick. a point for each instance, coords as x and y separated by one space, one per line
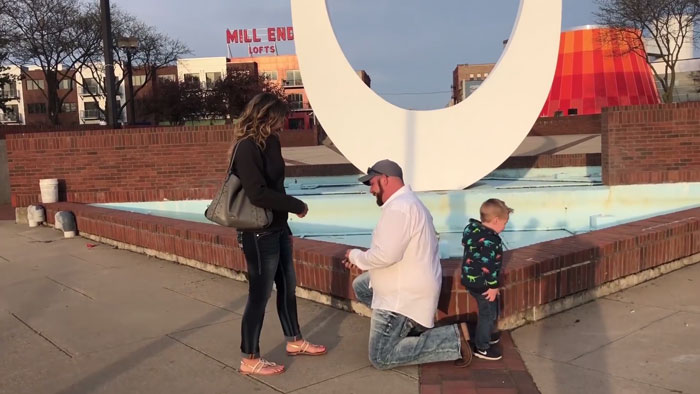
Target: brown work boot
464 347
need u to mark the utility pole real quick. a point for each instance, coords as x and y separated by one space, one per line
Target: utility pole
129 44
109 63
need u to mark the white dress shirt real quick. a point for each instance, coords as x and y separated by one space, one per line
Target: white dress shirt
403 260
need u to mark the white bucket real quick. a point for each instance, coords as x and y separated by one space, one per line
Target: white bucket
49 190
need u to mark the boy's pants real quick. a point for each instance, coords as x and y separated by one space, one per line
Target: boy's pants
488 313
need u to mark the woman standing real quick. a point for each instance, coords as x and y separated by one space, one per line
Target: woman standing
259 164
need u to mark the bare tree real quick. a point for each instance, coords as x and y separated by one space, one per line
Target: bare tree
668 23
230 95
56 36
176 102
153 51
5 78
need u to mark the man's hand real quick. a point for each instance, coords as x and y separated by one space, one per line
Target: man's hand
306 210
346 260
490 294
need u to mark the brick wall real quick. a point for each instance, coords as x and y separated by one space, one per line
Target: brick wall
651 144
139 164
533 276
566 125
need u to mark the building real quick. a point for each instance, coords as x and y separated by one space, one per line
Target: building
12 91
283 70
34 99
85 98
466 78
592 73
91 97
687 85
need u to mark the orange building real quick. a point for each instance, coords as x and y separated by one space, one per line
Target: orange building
284 70
595 70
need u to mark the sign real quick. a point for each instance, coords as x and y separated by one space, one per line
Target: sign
271 35
249 36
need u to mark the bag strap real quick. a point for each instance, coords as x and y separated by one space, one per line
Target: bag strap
233 155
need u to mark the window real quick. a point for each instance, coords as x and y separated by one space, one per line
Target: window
35 85
270 75
573 111
69 107
558 114
90 86
212 78
66 84
11 114
138 80
293 78
91 105
36 108
296 101
296 124
92 111
469 87
8 90
192 81
167 77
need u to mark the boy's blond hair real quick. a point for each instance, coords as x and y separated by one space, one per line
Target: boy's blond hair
494 208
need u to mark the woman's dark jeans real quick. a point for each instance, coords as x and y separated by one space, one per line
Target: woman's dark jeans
269 258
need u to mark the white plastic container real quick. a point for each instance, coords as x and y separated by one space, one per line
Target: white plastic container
49 190
35 215
65 220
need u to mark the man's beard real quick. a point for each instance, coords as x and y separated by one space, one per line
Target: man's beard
379 196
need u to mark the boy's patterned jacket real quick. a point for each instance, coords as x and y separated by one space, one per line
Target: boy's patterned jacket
481 262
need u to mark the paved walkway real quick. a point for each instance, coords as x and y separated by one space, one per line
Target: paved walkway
642 340
78 318
81 317
531 146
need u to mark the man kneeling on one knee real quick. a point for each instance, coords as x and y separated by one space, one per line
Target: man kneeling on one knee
403 278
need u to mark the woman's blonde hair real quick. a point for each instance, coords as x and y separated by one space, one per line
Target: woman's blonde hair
261 115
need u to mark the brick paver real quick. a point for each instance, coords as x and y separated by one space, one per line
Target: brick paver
504 376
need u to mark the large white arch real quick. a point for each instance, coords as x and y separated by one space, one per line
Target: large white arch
442 149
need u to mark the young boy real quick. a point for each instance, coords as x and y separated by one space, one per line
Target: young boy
481 265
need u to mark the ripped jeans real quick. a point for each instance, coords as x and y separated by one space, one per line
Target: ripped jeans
396 340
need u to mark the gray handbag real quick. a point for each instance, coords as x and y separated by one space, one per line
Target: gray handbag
232 208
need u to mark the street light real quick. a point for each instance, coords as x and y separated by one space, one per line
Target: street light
106 20
129 45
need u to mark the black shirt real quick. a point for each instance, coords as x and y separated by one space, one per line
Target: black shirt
262 174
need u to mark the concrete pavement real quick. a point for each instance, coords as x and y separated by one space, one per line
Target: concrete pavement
77 318
642 340
81 317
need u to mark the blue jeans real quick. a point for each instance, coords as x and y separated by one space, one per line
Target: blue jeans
488 314
269 259
396 340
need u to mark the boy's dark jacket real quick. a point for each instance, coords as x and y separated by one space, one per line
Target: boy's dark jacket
481 262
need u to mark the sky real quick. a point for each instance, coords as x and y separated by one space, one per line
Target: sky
408 47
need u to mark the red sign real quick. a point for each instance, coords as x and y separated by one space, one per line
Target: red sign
249 36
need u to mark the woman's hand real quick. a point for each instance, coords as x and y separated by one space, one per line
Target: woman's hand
304 212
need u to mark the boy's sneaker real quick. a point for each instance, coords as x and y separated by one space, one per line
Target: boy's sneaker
491 354
495 338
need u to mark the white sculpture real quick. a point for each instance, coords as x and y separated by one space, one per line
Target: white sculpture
442 149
